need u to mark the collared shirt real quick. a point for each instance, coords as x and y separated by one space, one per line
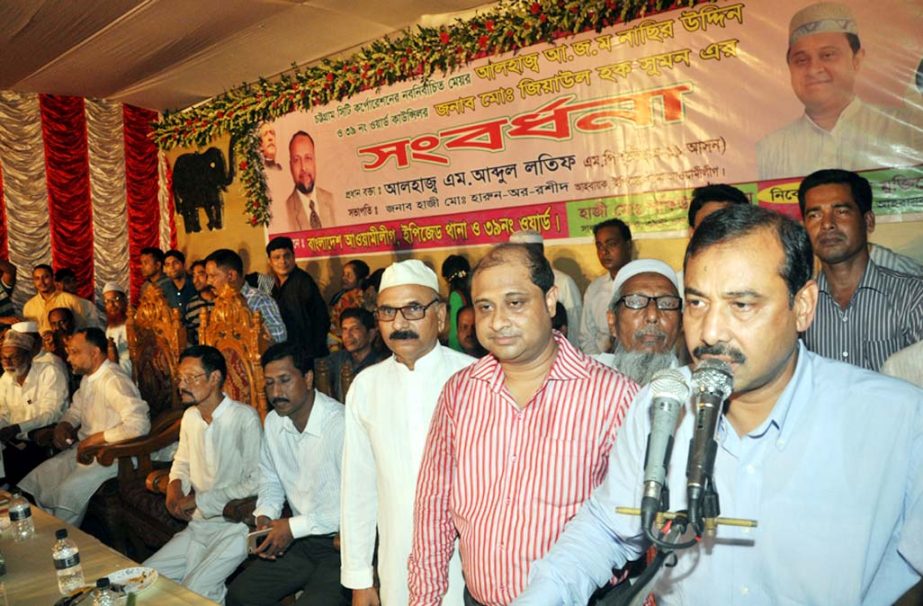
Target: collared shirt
219 460
304 312
569 297
594 327
342 360
303 468
119 334
388 412
39 401
193 316
865 136
163 283
832 477
108 401
37 308
506 479
884 315
263 303
179 297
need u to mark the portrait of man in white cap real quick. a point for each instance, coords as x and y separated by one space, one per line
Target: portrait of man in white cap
838 129
388 411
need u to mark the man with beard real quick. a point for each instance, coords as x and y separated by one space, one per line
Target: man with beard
107 408
388 411
645 318
308 207
116 304
518 441
825 456
32 395
865 312
299 464
359 332
217 461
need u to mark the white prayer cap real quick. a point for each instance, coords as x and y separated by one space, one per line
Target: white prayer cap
644 266
19 340
822 17
25 327
527 236
410 272
113 287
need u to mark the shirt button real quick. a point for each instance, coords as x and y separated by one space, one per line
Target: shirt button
845 354
751 469
845 318
744 590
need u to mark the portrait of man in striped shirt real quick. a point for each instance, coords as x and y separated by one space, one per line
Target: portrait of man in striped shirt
865 312
518 442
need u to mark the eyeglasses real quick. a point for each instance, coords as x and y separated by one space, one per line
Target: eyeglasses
663 302
414 311
190 379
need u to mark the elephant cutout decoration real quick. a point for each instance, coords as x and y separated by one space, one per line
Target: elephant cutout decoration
198 181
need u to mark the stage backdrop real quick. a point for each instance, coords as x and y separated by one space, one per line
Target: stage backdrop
81 186
618 123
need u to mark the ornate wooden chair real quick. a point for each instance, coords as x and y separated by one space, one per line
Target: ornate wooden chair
156 338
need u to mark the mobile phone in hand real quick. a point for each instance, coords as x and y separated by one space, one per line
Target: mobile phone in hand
256 538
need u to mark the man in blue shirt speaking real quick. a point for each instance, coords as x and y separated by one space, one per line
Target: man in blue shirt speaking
827 457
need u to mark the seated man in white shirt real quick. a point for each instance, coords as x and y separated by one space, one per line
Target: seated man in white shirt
217 461
116 303
107 408
32 395
299 463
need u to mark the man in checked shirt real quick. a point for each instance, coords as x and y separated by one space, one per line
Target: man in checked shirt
518 442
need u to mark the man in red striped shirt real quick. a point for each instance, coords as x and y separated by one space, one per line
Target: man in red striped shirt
518 441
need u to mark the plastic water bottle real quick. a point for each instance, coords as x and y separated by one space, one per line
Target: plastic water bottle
21 518
102 596
67 563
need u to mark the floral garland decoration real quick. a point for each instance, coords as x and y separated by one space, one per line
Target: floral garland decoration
509 26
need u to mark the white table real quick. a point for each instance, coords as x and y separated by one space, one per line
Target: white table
30 575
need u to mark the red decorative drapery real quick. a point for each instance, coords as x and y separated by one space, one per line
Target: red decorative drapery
4 232
64 133
141 184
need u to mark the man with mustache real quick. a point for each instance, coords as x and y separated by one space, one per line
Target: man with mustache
217 461
645 318
308 207
812 449
388 411
518 441
865 312
357 325
299 464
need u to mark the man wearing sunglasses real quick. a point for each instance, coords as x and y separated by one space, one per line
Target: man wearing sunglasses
645 320
388 412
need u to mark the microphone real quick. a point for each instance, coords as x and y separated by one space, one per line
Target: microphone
712 383
669 393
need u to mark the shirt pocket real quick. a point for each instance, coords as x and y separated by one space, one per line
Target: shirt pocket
875 352
566 469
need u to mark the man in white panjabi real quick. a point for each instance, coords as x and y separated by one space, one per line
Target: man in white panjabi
388 411
115 301
107 408
217 461
837 129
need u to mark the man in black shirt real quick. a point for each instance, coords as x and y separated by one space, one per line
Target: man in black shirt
303 309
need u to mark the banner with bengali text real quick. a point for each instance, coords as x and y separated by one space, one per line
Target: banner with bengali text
623 123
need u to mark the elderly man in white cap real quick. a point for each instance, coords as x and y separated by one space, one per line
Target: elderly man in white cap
388 411
837 129
32 395
116 303
568 293
645 320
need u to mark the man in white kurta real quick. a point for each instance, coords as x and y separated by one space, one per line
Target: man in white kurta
300 464
116 303
217 461
388 412
107 408
32 395
837 129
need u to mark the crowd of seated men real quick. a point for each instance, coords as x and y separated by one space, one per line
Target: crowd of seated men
480 423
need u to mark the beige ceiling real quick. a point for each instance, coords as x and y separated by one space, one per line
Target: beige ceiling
170 54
